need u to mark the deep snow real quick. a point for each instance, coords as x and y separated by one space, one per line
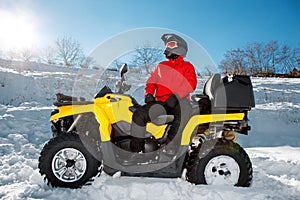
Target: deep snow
26 95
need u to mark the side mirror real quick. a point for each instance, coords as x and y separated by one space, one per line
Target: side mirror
123 69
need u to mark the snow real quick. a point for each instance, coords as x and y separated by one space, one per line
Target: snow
26 96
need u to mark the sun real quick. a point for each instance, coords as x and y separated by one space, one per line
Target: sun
17 31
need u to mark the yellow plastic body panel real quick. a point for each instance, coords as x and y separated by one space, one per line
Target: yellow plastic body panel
110 109
113 108
156 131
72 110
201 119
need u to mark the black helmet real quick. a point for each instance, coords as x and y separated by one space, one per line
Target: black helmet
174 44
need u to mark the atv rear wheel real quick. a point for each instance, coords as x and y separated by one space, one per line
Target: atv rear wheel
226 164
66 163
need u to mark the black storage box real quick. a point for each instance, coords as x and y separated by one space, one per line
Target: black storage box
236 94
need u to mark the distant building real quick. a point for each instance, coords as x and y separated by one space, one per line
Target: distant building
295 73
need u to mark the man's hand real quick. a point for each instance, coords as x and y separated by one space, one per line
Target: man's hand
172 101
149 98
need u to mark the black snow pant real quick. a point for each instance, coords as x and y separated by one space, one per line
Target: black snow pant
149 112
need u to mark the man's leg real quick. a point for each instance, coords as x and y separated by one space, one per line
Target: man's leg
181 116
140 118
138 128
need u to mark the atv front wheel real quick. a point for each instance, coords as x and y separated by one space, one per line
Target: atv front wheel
66 163
226 164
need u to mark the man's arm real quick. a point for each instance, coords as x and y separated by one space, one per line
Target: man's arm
190 82
151 82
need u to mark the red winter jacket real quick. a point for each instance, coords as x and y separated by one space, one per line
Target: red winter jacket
171 77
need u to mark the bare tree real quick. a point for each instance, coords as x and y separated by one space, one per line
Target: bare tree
254 54
48 55
270 56
1 53
259 58
69 51
116 64
147 56
12 54
297 56
26 54
87 62
234 62
284 59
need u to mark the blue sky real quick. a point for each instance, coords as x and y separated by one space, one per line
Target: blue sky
217 25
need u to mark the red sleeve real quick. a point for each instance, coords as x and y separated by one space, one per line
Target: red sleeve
190 82
151 83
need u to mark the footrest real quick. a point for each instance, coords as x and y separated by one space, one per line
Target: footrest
163 119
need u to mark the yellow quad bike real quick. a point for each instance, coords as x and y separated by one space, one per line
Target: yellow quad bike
94 136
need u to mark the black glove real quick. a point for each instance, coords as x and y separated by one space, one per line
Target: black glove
149 98
172 101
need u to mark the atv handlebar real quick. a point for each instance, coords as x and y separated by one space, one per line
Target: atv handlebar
121 86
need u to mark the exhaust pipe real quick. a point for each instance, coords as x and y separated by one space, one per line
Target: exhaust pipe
230 135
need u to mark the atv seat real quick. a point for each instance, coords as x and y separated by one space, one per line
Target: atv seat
211 85
158 121
209 88
202 102
195 110
163 119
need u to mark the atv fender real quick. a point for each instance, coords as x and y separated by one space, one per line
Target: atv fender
70 110
202 119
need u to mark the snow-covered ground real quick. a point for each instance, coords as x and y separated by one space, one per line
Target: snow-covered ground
26 95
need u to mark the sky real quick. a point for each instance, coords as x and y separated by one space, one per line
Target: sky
217 25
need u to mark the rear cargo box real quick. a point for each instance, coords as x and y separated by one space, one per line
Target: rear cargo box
236 94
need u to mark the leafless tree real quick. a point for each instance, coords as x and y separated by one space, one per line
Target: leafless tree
270 56
12 54
69 51
234 62
254 55
87 62
26 54
147 56
297 56
284 59
260 58
1 53
116 64
48 55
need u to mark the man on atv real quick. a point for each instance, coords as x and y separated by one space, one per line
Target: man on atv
167 92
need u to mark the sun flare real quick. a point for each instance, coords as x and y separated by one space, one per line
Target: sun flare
17 31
